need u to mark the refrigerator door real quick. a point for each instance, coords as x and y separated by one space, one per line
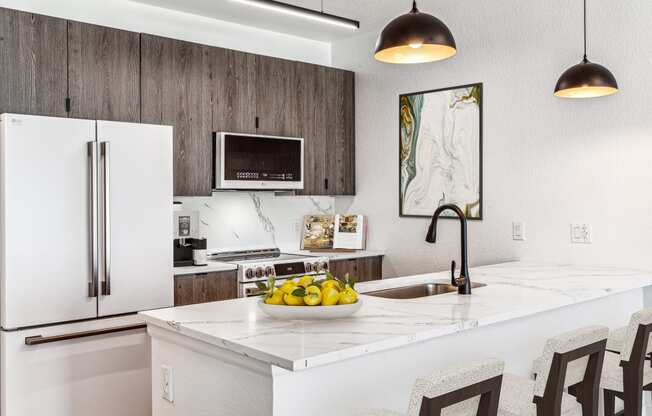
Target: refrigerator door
95 374
135 217
45 209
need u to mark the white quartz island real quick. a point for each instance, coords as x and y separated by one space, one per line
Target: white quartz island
228 358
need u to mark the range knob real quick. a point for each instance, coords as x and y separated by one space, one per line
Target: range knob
249 273
308 267
316 267
259 272
324 266
269 271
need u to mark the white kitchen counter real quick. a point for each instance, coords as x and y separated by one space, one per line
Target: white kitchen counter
513 290
338 255
212 266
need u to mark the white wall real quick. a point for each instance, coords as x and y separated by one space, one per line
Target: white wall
124 14
547 162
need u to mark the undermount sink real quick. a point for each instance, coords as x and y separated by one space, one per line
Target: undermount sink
418 291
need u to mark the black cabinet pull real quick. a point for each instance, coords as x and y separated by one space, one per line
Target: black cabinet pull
257 122
325 183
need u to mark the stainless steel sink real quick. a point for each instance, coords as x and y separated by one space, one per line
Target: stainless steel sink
418 291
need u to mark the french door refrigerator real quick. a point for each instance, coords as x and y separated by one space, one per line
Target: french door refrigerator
85 232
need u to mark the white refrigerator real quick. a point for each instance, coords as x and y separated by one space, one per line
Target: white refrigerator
85 243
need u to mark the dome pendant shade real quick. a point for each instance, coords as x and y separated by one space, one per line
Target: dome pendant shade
415 38
586 80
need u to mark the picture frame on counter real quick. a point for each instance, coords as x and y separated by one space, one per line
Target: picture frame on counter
334 232
440 151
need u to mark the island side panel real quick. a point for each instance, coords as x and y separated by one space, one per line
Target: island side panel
385 379
207 380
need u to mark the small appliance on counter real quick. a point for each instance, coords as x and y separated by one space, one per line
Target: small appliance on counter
186 234
199 256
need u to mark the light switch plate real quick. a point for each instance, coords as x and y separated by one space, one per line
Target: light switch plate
168 383
518 231
581 233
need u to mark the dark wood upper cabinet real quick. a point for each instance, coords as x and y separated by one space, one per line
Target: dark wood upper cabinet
32 64
103 73
277 103
176 90
340 132
233 86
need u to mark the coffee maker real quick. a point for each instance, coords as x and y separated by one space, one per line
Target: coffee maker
186 236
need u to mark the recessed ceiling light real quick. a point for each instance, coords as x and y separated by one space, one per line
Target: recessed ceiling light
302 12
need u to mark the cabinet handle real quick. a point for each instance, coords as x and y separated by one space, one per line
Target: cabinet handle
106 202
92 178
326 183
40 339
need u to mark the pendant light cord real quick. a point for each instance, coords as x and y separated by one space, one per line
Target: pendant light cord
585 59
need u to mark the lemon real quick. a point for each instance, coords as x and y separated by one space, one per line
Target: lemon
313 296
292 300
331 283
348 296
288 286
276 298
330 296
306 281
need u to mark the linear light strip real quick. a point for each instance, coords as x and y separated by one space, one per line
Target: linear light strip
297 11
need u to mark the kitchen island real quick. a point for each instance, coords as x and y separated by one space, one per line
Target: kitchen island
228 358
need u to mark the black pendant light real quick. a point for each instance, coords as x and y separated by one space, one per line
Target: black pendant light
415 38
586 79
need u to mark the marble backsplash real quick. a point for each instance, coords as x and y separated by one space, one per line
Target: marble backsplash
243 220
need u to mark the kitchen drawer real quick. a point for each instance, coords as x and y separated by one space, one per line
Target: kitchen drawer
362 269
101 375
205 287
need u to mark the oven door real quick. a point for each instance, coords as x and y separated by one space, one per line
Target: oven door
248 161
249 289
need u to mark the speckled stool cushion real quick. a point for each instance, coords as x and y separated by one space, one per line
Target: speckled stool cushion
446 381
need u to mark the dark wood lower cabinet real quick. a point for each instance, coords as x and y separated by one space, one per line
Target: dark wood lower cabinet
205 287
362 269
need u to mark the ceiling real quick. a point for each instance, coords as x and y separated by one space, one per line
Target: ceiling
372 14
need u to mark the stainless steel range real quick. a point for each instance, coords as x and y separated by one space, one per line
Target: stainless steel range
258 265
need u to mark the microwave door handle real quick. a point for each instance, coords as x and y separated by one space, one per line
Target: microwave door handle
92 164
106 206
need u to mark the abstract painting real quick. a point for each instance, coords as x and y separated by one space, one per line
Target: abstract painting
441 151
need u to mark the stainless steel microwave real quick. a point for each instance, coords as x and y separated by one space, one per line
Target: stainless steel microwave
252 161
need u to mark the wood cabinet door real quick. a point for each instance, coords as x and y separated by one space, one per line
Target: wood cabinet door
205 287
175 90
233 90
277 100
311 89
362 269
103 73
33 66
339 107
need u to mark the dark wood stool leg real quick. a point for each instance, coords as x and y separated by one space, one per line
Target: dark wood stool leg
633 397
609 403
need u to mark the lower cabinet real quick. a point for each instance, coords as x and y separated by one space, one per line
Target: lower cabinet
205 287
362 269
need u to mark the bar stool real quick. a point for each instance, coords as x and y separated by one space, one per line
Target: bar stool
469 390
625 374
571 359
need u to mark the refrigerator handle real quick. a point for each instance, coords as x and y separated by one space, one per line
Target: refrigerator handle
106 206
92 163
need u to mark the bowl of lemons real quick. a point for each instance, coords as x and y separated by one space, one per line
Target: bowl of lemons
309 298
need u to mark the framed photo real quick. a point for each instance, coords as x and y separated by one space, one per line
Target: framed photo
440 151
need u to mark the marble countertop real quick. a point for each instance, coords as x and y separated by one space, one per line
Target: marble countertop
513 290
337 255
212 266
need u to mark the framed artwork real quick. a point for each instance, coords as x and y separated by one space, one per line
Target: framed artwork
440 151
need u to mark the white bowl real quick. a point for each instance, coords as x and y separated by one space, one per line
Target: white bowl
309 312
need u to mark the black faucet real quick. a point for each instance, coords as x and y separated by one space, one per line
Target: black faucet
463 283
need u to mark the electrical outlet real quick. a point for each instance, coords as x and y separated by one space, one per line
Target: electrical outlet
518 231
168 383
296 227
581 234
